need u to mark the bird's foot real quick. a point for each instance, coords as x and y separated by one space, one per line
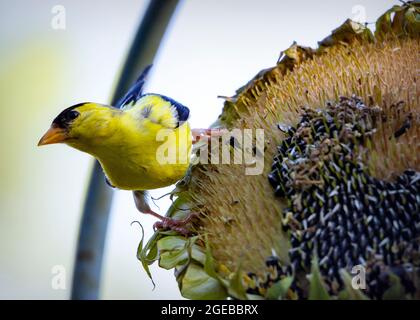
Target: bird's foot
199 134
179 226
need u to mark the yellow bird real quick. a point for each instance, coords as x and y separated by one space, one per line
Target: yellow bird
133 143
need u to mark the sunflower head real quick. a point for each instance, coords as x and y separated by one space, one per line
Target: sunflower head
340 182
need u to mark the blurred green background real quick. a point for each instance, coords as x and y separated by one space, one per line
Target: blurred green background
211 48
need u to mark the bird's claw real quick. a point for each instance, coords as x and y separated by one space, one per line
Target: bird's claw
175 225
199 134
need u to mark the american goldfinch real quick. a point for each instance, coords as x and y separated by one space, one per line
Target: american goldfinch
127 142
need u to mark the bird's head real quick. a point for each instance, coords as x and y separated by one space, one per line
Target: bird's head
80 126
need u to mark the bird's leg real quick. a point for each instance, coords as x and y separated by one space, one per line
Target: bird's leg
198 134
172 224
165 222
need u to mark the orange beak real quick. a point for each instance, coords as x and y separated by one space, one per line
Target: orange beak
53 135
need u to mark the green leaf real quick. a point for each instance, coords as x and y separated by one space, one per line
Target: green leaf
209 265
412 20
383 24
236 288
176 250
279 289
181 207
197 284
196 252
396 291
317 289
406 20
347 33
171 243
143 255
171 259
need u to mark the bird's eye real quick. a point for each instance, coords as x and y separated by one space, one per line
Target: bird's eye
72 115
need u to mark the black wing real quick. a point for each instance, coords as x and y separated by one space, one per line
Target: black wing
136 90
182 111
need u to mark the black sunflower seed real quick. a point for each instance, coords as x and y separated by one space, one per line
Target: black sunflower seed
347 216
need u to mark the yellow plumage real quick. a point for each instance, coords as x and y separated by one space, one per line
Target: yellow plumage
126 141
144 144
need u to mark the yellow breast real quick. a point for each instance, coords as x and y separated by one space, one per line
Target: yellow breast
146 157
